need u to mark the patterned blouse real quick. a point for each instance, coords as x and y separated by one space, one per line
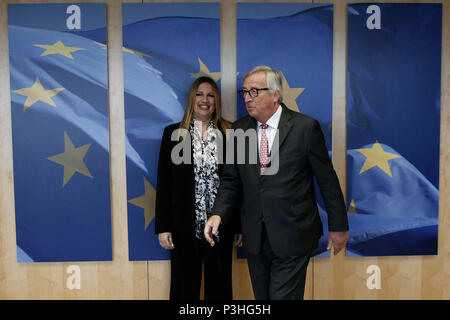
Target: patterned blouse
205 173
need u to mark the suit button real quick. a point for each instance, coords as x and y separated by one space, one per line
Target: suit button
262 189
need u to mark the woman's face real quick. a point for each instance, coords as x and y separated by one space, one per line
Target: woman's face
205 102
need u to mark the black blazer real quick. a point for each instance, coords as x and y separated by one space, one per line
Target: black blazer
175 191
285 201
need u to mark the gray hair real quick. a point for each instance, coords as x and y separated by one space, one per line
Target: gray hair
274 79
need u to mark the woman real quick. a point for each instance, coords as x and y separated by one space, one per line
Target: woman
185 195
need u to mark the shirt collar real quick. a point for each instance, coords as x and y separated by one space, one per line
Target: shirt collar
274 120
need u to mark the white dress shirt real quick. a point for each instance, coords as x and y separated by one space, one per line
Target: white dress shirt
271 130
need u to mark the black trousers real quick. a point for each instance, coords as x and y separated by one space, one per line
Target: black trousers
186 267
276 278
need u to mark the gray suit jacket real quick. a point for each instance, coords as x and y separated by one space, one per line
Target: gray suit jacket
286 201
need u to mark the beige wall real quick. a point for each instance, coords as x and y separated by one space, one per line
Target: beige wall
422 277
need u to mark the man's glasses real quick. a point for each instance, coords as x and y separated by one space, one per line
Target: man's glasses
253 92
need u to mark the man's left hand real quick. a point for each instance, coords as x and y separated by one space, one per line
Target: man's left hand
337 240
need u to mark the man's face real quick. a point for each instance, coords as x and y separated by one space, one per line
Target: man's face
265 104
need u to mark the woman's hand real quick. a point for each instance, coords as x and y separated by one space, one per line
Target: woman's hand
165 240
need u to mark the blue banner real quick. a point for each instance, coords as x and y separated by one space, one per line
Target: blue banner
394 83
60 131
166 46
297 39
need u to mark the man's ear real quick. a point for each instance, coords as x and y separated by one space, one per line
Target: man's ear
276 96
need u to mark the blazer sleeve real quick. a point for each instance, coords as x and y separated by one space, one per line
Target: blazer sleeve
229 197
327 180
164 186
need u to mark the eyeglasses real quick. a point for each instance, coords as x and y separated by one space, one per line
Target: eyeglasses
253 92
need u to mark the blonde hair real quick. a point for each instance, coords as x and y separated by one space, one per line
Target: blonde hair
219 122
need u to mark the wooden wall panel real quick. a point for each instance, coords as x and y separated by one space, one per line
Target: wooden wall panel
119 279
426 277
401 277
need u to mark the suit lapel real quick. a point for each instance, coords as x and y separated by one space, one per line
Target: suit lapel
284 127
251 125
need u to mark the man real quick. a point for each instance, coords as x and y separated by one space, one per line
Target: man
280 220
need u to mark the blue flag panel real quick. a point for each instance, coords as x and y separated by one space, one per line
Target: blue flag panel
60 130
394 74
297 39
166 46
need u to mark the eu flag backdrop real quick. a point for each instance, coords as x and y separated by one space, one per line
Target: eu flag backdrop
59 107
166 46
394 74
297 39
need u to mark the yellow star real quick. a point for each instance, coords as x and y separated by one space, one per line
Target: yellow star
147 202
352 208
72 159
290 95
377 157
58 48
204 71
37 93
